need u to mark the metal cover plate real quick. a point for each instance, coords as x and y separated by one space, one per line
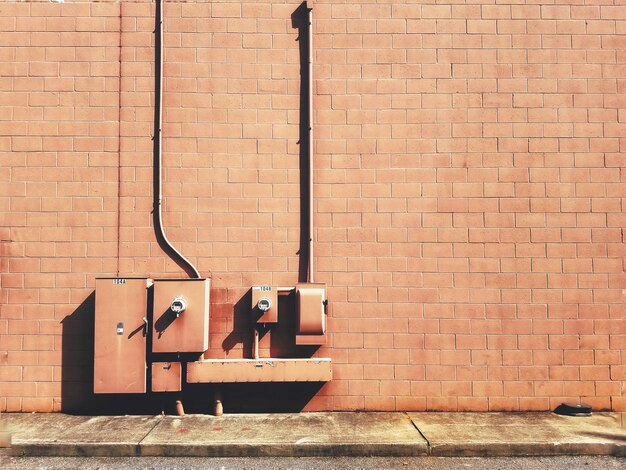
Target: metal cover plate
166 376
190 331
119 336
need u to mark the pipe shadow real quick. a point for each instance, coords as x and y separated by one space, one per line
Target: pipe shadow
300 21
242 326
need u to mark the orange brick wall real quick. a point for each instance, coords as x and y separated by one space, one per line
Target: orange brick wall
470 187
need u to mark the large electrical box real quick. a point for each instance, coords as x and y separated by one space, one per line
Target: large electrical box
120 335
181 315
311 314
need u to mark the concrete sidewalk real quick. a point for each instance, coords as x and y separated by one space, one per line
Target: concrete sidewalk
316 434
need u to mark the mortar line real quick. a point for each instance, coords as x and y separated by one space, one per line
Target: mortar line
419 431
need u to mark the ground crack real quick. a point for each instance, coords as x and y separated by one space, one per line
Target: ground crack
421 433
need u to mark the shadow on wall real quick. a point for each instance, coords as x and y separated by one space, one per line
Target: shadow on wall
251 397
77 356
77 370
242 327
283 338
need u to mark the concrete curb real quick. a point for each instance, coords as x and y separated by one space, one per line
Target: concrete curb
539 449
74 450
286 450
313 450
217 450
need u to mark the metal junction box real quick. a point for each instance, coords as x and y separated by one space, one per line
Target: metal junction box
181 315
166 376
311 311
120 335
265 304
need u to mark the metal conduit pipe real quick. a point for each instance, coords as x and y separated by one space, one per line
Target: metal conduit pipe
162 239
255 343
310 142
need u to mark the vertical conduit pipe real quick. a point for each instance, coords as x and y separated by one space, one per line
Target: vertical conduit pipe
255 343
310 142
164 242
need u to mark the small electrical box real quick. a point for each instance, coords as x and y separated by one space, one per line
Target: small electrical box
265 304
120 332
311 303
181 315
166 377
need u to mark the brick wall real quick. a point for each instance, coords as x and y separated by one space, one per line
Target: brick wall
470 188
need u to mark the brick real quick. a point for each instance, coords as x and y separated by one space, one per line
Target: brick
468 198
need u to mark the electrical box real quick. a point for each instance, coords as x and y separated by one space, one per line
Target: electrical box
166 376
311 314
120 335
181 315
265 304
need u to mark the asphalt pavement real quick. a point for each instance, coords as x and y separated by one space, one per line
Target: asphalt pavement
313 463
